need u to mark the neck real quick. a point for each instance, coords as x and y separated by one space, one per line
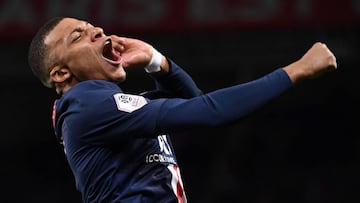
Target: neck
62 88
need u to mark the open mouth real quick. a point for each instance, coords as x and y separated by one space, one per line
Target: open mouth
110 54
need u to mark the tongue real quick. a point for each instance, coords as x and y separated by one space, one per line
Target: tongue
110 53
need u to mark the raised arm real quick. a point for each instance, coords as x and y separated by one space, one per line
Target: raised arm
169 78
212 109
232 103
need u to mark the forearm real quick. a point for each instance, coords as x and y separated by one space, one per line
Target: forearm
222 106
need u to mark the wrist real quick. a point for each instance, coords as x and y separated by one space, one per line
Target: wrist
154 65
295 71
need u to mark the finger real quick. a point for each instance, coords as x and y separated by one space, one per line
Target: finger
120 40
333 64
332 59
118 43
118 47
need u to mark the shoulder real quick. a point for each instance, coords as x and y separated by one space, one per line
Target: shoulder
91 90
88 96
86 103
96 86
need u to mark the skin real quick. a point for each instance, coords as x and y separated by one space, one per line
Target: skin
316 61
77 46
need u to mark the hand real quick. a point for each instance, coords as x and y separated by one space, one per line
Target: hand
316 61
135 53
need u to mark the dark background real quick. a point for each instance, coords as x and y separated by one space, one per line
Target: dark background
301 147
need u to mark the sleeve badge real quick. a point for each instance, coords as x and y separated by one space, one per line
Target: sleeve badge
128 102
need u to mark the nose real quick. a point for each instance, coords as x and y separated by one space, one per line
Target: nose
96 33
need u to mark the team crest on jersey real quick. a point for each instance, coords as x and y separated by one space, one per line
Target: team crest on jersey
128 102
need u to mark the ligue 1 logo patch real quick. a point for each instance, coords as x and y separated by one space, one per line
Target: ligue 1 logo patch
128 102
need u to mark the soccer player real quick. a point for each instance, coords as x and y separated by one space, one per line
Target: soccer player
118 144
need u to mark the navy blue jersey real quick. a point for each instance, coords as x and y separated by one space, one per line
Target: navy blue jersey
118 145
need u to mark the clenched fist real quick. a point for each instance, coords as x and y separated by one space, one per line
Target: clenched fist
316 61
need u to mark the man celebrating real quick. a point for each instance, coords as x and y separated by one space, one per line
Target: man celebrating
117 144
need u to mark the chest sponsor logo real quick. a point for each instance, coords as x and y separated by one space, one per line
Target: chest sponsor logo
165 155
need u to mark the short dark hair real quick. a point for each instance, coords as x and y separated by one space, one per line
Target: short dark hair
38 56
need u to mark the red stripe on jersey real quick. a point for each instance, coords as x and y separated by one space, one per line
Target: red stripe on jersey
53 114
177 183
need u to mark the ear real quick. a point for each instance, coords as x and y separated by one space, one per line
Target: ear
59 74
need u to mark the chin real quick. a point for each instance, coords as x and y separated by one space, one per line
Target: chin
120 79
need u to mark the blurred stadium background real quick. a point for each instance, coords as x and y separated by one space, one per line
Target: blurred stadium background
302 147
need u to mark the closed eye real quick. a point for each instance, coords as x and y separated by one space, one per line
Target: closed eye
76 34
76 37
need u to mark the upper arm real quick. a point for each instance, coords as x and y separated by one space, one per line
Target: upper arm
178 82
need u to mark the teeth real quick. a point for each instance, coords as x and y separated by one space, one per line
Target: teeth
107 42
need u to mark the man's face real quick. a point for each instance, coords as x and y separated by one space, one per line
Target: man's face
85 50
